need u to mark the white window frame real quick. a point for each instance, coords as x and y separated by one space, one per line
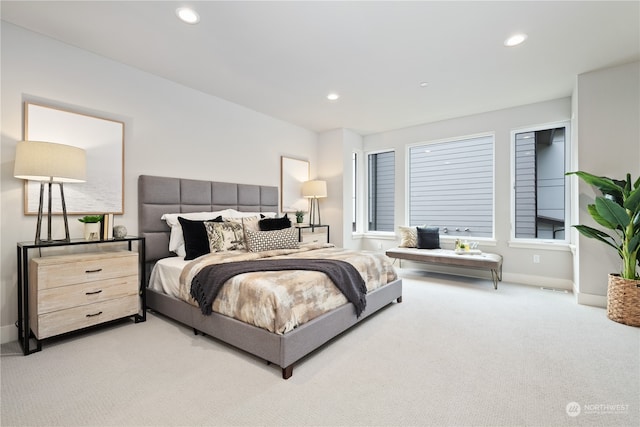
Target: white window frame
520 242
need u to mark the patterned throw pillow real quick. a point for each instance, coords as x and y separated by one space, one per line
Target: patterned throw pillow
408 237
258 241
251 223
225 236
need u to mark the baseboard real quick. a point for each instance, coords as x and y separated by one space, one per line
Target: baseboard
590 299
523 279
8 333
541 281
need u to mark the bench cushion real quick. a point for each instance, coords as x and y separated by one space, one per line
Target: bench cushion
448 257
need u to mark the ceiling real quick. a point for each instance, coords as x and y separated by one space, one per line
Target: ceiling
283 58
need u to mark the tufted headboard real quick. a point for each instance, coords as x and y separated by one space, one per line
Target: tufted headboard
159 195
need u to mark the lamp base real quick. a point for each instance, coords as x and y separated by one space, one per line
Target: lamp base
314 210
49 240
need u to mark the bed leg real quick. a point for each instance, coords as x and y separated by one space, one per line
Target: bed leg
287 372
399 299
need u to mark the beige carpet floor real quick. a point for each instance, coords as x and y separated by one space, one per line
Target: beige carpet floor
456 352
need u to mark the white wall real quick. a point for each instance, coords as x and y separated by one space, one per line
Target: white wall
555 268
170 130
608 110
334 160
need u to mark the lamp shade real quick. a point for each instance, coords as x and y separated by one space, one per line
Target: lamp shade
314 189
45 161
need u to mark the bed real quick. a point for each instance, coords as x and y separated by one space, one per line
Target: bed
282 346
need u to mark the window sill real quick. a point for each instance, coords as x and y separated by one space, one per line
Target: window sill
382 235
543 244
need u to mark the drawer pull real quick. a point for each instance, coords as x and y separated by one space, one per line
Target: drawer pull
94 292
97 270
95 314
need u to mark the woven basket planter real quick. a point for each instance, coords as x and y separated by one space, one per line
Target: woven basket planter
623 300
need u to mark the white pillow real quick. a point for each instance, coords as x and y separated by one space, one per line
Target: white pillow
408 237
176 239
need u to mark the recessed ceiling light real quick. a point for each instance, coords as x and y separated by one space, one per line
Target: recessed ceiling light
424 84
188 15
333 96
515 40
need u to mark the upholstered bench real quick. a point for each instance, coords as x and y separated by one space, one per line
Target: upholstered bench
484 260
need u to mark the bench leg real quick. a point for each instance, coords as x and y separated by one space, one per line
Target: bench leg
496 276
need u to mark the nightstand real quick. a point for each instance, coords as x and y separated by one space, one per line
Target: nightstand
64 292
313 233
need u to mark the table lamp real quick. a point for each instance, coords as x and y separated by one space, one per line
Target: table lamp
50 163
314 190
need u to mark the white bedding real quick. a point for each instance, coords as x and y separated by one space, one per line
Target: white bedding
165 276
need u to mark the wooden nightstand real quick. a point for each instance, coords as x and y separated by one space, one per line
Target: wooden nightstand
64 293
313 233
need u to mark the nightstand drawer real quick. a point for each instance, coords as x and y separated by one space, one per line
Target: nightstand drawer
54 271
61 321
313 233
315 237
85 293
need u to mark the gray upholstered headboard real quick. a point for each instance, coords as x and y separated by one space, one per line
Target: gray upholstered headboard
159 195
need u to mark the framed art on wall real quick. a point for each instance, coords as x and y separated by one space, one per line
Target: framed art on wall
293 173
103 141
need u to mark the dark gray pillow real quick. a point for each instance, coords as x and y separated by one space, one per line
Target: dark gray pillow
196 240
428 237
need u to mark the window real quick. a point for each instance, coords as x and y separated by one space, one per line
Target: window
381 189
540 199
451 186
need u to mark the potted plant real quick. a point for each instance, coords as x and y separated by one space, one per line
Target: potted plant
299 217
91 226
618 210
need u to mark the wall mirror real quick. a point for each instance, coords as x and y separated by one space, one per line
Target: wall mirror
103 140
293 173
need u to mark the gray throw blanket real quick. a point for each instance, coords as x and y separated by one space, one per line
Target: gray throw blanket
207 283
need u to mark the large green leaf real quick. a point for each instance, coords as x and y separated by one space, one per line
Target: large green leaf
593 233
633 244
633 201
598 218
612 212
605 184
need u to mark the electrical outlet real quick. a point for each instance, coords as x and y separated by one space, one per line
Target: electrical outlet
379 245
536 259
